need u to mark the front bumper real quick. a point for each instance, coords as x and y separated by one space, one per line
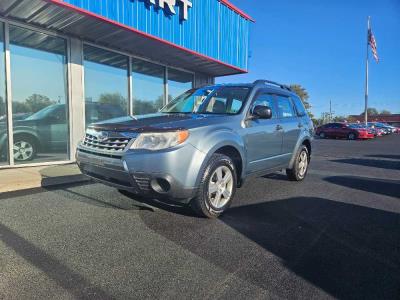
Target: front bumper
168 174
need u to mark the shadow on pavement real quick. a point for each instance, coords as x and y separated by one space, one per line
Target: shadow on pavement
389 156
68 279
376 163
378 186
348 251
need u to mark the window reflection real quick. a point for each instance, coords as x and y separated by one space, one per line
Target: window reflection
3 106
39 104
106 84
148 87
178 83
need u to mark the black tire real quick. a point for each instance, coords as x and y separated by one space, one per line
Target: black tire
202 203
28 140
295 173
322 135
352 136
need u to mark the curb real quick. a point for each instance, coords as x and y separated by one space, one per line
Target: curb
46 182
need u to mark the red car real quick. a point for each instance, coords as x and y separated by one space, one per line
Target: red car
343 130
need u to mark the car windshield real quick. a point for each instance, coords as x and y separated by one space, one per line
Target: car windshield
209 100
42 113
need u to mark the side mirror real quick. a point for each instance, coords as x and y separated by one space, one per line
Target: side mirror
262 112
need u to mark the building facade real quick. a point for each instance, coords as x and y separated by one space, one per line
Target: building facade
66 64
393 119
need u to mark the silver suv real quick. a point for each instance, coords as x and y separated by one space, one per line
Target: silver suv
202 145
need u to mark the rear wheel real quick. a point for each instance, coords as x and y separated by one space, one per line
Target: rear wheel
217 187
352 136
300 167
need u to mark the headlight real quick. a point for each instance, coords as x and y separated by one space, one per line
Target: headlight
160 140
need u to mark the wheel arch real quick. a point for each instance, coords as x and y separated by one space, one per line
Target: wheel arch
231 149
29 135
306 141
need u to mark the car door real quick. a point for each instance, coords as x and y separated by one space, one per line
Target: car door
291 125
58 128
338 130
263 137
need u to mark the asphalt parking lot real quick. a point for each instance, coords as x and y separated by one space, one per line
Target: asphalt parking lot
335 235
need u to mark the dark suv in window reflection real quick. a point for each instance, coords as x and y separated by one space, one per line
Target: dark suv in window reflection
47 130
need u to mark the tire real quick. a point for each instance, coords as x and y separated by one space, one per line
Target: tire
25 148
352 136
213 187
298 173
322 135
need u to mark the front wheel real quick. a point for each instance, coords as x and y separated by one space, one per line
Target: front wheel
217 187
352 136
300 166
24 148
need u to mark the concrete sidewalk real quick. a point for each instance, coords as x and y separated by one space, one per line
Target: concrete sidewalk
34 177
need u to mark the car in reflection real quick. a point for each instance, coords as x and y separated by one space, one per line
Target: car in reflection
384 127
343 130
46 131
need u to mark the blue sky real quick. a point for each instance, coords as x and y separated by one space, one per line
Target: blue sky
322 46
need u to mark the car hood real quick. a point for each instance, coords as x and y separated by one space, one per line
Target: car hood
158 122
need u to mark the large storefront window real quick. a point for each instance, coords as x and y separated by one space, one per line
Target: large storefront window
39 96
106 84
3 105
147 87
178 83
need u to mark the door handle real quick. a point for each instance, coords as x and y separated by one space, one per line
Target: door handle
279 127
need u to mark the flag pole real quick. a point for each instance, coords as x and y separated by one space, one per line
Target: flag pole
366 75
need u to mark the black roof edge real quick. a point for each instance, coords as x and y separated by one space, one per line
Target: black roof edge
269 82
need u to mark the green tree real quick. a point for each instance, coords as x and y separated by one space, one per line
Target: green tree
141 107
385 112
20 107
36 102
371 111
114 99
303 94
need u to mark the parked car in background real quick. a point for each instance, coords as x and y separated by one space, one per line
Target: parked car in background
344 131
47 129
384 127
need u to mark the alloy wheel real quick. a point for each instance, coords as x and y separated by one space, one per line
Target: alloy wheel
220 187
303 164
23 151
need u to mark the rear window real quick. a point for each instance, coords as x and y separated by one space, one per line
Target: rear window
301 111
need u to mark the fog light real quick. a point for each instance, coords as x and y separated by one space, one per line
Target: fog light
160 185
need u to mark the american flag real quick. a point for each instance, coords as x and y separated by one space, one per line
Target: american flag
372 43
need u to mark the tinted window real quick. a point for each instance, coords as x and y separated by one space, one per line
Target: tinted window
178 83
227 101
39 88
266 100
147 87
285 107
209 100
106 81
301 111
3 106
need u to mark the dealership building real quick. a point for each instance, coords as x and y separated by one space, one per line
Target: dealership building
66 64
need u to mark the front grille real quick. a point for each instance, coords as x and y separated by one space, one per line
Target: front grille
110 144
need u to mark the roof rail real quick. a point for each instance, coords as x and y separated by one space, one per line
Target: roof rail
282 86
